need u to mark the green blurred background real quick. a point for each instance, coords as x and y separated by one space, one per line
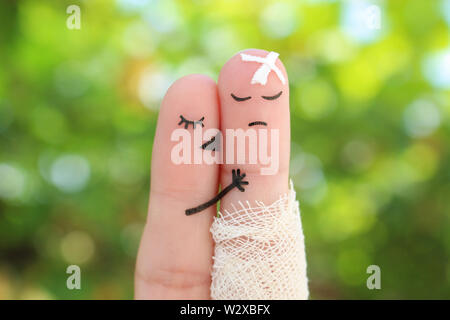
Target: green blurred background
370 103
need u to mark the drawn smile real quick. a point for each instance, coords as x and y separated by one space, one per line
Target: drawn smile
255 123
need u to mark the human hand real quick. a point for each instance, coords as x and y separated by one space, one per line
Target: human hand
175 255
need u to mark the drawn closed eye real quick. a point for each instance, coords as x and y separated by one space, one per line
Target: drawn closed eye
188 122
273 97
240 99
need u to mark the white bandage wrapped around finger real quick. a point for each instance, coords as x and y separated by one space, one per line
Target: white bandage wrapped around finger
260 252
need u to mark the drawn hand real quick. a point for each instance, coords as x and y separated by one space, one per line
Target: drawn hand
237 179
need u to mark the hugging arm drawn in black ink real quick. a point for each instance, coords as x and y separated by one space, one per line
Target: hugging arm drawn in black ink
188 122
208 145
237 182
213 144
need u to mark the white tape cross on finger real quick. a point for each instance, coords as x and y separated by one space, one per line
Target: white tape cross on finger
268 64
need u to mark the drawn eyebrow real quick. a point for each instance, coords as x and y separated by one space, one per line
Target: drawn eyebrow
273 97
240 99
188 122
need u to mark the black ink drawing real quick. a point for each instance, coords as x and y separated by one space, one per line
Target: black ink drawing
235 183
254 123
273 97
213 144
240 99
207 145
188 122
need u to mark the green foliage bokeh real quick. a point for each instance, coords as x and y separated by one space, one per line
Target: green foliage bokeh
370 115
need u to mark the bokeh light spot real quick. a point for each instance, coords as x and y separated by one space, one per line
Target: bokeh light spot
317 99
446 11
221 44
423 161
152 87
70 173
279 20
12 182
77 247
421 118
35 293
307 174
195 65
163 15
362 21
137 40
132 6
436 68
308 170
331 46
357 155
70 79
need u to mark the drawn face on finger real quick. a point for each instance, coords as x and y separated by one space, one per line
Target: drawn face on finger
254 92
253 85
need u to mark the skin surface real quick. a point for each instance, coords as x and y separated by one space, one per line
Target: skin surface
175 254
